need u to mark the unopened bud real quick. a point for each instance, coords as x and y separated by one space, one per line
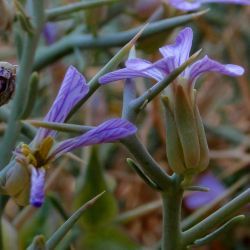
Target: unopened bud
187 149
15 182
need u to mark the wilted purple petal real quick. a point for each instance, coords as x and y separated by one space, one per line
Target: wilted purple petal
108 131
37 186
180 50
50 32
73 89
198 199
208 65
134 68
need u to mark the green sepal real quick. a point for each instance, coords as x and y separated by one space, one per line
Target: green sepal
186 127
174 149
204 150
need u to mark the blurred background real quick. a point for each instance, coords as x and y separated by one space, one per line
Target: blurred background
129 215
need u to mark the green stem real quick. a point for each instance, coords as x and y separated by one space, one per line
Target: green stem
172 235
65 46
54 13
147 163
30 44
218 217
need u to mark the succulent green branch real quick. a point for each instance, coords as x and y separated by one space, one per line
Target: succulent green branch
66 45
218 217
24 72
58 12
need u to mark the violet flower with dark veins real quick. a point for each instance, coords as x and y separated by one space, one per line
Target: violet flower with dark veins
43 149
189 5
173 56
187 149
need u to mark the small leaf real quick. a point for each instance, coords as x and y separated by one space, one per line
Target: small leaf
61 232
94 182
140 172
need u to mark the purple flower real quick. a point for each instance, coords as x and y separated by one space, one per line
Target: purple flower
187 5
50 31
187 149
173 56
43 150
197 199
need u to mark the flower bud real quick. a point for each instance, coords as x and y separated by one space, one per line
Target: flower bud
187 149
15 182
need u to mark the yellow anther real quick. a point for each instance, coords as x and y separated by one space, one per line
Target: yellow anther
25 149
45 147
32 160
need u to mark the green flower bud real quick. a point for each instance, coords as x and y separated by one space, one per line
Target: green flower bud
187 149
15 182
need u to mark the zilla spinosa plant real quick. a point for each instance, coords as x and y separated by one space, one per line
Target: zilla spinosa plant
25 176
187 149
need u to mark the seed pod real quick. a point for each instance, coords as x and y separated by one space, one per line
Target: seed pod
7 81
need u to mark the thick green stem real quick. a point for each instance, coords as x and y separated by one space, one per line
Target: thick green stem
30 44
220 216
66 45
172 235
148 164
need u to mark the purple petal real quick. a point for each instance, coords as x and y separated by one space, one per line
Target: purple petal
37 186
108 131
50 32
180 50
134 68
73 89
208 65
198 199
242 2
185 5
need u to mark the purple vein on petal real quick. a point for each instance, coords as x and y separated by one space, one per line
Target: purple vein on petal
73 89
109 131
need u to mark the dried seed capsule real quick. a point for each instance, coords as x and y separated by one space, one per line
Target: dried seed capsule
7 81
